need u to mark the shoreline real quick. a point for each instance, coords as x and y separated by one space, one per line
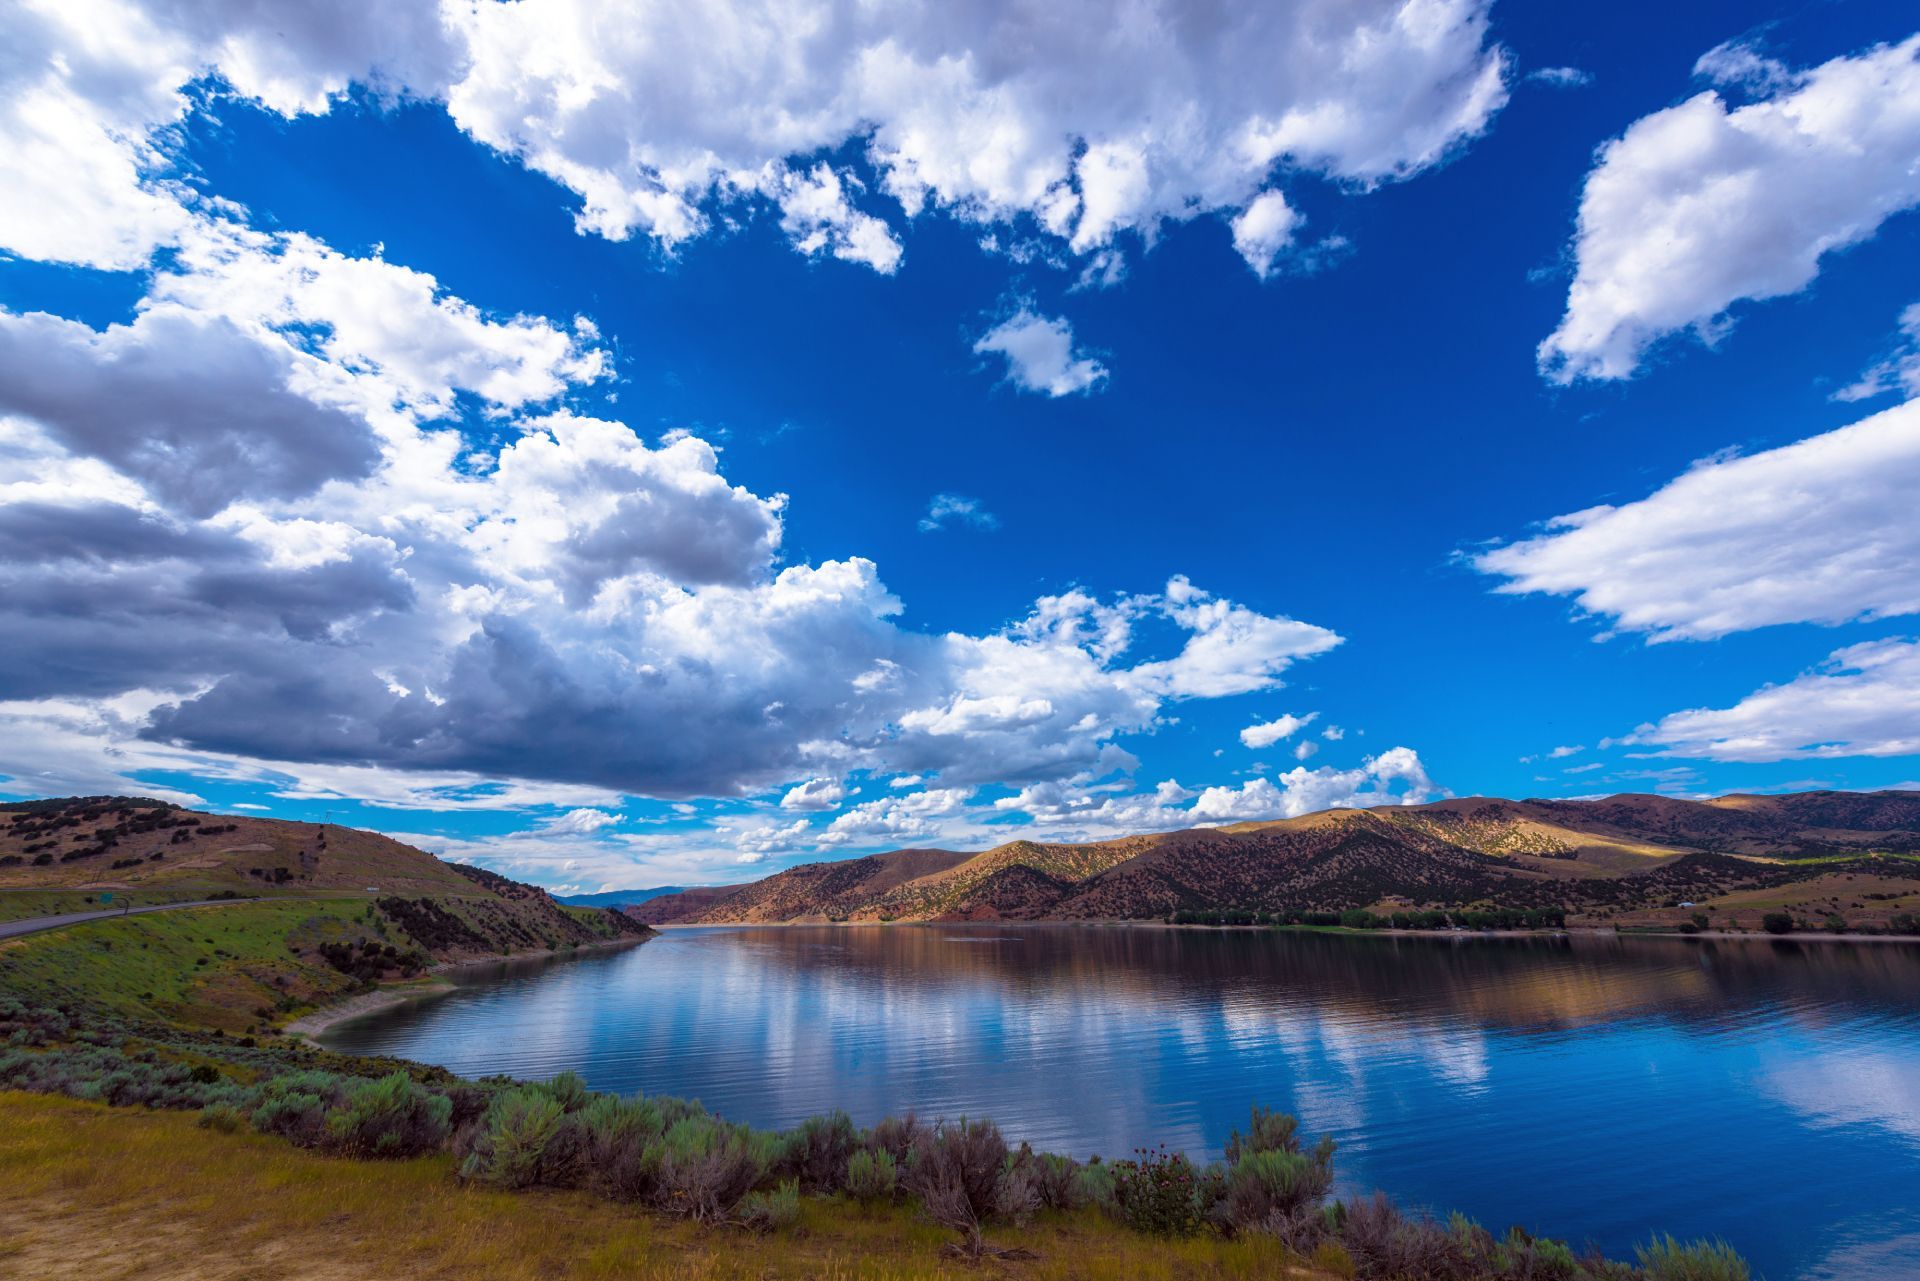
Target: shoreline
311 1025
1580 931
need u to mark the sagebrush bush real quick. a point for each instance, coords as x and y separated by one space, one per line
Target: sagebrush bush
622 1147
510 1147
1056 1180
294 1106
1277 1191
817 1151
389 1117
224 1117
708 1165
1267 1131
1094 1184
872 1176
569 1090
896 1136
772 1211
956 1169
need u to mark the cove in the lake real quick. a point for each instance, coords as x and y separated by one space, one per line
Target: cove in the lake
1593 1088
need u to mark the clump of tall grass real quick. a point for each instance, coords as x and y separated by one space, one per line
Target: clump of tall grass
1664 1259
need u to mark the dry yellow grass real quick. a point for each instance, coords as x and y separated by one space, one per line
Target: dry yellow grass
124 1194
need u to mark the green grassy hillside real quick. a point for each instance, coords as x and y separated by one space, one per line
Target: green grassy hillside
319 913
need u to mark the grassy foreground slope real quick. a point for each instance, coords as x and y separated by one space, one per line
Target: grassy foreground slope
98 1192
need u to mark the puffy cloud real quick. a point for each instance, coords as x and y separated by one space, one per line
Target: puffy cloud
662 116
1373 783
1264 230
1306 750
654 112
1072 811
1040 354
957 509
912 817
81 87
1395 777
572 605
1863 701
1817 531
87 84
393 327
1232 649
579 822
815 794
1267 733
189 405
757 841
817 216
1561 753
1705 204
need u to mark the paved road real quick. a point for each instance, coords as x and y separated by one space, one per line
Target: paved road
34 924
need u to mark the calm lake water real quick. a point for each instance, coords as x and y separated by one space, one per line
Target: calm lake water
1597 1089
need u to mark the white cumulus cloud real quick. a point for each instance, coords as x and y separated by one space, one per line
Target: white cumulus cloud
1864 700
1267 733
1818 531
1040 354
1712 202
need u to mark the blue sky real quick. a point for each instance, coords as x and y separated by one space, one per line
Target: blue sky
669 489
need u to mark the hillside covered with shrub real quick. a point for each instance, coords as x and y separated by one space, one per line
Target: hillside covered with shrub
1625 860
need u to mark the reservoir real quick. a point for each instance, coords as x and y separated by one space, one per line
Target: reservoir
1594 1088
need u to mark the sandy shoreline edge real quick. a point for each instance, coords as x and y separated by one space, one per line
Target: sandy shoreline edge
362 1004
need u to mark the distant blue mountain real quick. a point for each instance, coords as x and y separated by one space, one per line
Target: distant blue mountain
617 898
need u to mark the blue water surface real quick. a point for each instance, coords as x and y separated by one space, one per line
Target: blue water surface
1591 1088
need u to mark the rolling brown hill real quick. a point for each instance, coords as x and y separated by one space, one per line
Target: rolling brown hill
61 854
1627 858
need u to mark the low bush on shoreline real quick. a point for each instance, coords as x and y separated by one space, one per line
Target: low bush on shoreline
674 1158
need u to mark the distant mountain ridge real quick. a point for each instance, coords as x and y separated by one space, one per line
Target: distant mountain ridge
618 898
1621 857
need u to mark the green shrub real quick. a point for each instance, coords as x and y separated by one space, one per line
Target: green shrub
1094 1184
389 1117
1267 1131
956 1170
1665 1259
569 1090
772 1211
817 1152
1777 923
622 1149
707 1165
872 1176
1056 1180
294 1106
1277 1191
510 1150
224 1117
